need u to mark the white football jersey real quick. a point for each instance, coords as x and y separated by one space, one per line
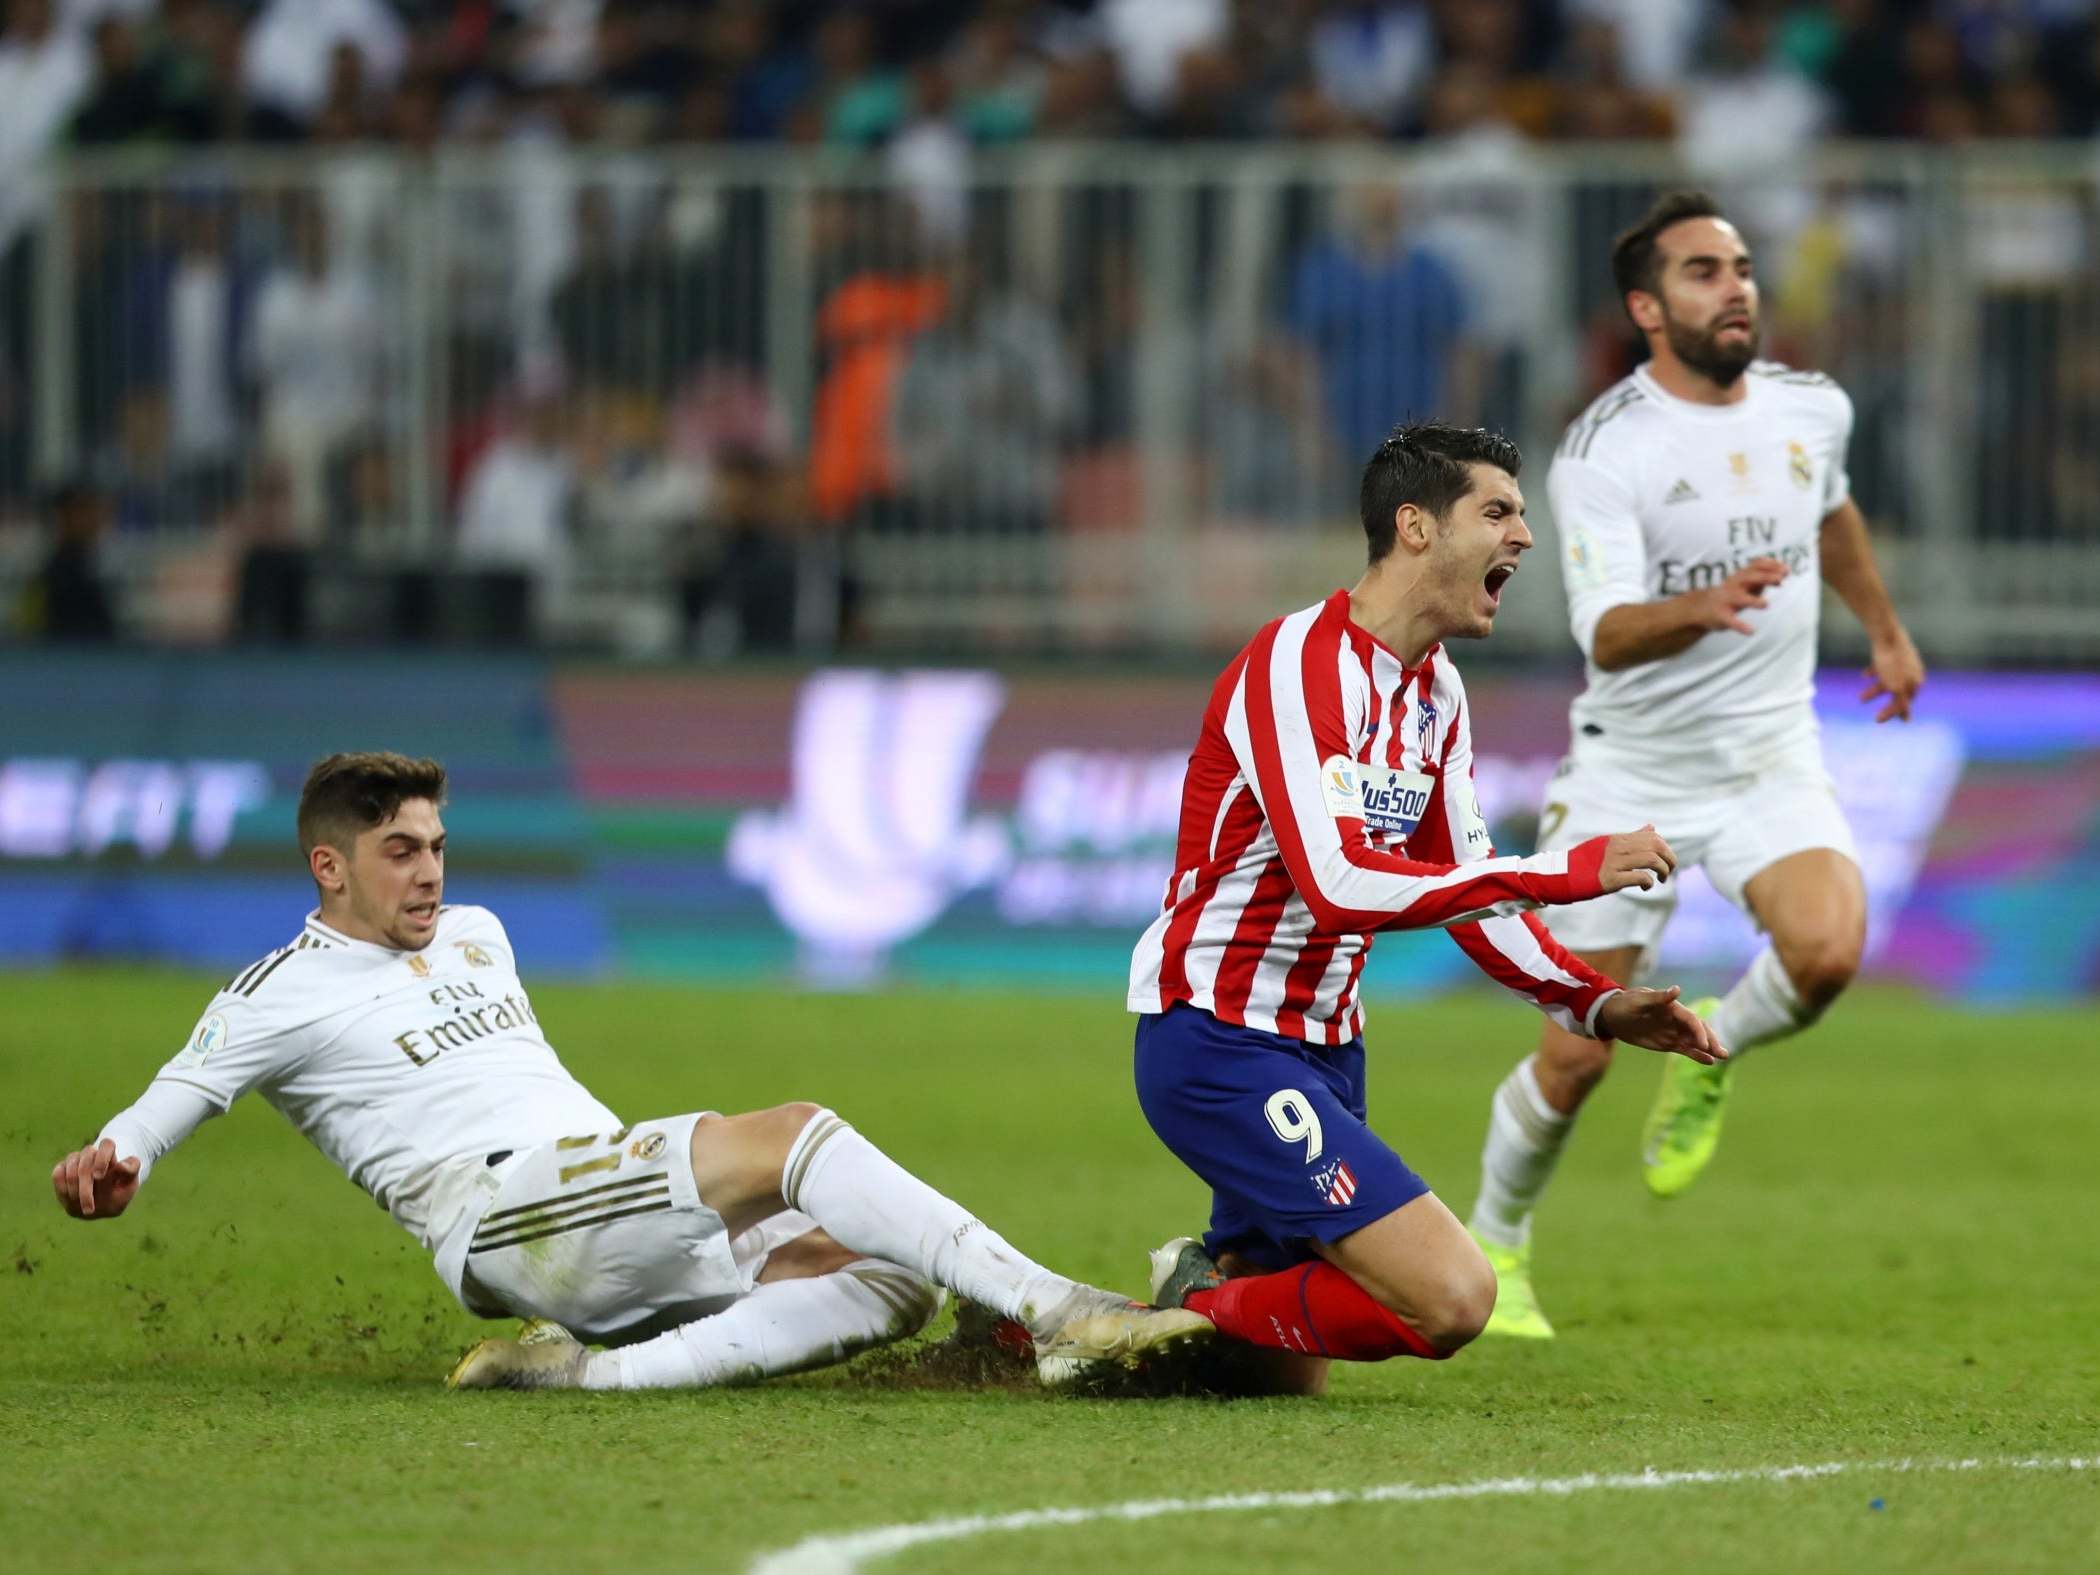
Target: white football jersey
1653 496
408 1069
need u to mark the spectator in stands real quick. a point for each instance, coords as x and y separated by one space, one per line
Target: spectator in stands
983 410
516 521
315 350
288 57
1750 108
740 587
183 305
275 579
865 327
46 68
1384 320
126 103
69 599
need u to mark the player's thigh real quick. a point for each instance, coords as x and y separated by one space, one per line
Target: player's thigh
1786 855
1422 1265
737 1161
789 1247
1813 905
1592 796
1568 1065
1273 1126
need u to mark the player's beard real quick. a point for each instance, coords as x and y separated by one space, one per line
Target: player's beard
1702 351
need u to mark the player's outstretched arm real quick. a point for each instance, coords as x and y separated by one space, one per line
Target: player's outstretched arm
1896 672
94 1183
1638 632
1657 1020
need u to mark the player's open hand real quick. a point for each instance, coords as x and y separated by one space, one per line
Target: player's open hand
1743 591
1896 671
1657 1020
1636 858
92 1183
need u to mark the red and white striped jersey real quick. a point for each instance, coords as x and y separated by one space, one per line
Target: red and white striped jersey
1330 796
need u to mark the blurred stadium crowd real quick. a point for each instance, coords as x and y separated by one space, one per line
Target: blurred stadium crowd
232 319
97 72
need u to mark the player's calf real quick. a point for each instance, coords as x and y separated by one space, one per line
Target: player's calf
1569 1066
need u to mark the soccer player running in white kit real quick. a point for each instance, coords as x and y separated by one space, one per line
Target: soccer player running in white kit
704 1249
1702 503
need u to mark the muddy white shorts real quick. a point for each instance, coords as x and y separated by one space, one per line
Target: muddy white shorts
605 1233
1732 822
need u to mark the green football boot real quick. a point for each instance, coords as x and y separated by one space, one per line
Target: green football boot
1684 1124
1517 1312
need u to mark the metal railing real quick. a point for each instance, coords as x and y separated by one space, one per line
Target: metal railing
1070 396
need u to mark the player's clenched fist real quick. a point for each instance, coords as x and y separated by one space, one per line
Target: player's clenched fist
1636 858
92 1183
1720 605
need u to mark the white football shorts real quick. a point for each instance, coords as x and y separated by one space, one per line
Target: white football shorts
1731 825
605 1234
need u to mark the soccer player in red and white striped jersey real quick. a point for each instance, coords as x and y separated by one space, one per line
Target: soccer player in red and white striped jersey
1329 797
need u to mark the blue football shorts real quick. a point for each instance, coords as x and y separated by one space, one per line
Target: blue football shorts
1274 1126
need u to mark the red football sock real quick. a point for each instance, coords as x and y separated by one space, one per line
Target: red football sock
1315 1309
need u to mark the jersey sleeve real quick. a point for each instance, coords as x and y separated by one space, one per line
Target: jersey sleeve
1287 727
235 1047
1604 559
1515 950
1837 481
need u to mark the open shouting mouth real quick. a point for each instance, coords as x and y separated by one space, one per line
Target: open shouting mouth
1497 577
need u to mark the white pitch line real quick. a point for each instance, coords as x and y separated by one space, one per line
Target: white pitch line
842 1553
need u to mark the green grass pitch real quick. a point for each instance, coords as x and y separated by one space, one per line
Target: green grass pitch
1895 1256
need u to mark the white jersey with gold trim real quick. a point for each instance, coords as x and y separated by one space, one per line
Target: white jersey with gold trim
408 1069
1653 496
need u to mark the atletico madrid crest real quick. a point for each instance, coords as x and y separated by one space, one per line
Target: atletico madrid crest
1336 1182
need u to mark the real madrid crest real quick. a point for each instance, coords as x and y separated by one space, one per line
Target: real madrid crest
650 1145
1799 466
475 956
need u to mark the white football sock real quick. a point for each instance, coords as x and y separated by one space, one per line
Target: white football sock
784 1326
1524 1139
1762 1006
868 1203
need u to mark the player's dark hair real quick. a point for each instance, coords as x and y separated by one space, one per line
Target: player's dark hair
1636 259
1428 464
349 793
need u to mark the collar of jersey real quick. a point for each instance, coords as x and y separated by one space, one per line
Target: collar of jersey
369 948
1691 410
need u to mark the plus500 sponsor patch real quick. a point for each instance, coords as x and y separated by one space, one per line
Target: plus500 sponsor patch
1383 798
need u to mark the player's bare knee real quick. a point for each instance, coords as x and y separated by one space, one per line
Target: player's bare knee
1453 1317
1821 970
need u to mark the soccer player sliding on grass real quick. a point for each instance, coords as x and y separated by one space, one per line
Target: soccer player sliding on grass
1330 796
395 1034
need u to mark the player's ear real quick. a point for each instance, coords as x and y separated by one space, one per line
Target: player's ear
1412 527
1645 310
327 865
